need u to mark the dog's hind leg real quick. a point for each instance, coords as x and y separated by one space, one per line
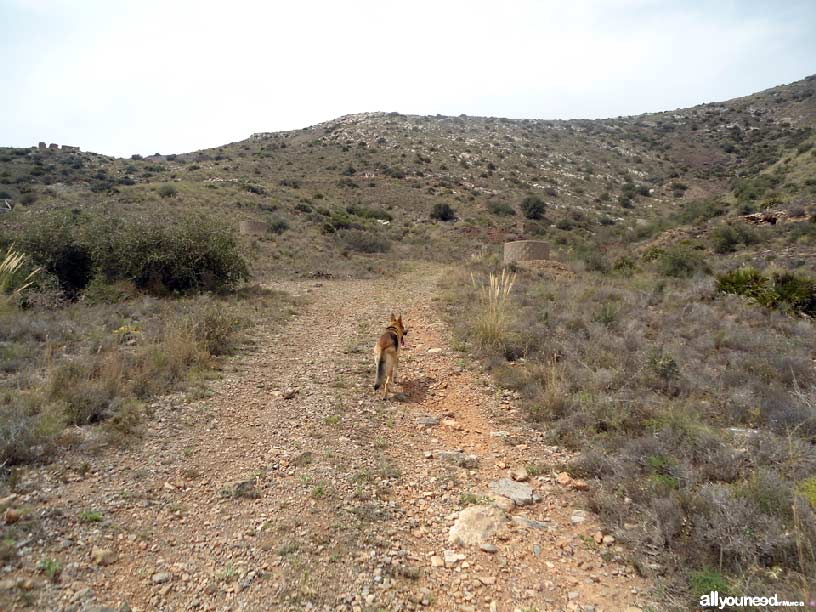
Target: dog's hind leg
389 373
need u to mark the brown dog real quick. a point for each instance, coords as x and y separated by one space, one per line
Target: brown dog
386 353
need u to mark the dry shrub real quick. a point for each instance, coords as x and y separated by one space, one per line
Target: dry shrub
647 376
99 370
735 531
161 366
27 429
125 420
216 328
554 400
86 390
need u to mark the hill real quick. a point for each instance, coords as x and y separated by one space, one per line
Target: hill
326 191
658 372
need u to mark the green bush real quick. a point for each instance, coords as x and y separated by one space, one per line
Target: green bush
726 237
54 243
706 580
753 188
500 209
189 253
367 212
364 242
679 261
624 265
278 225
442 211
625 201
167 191
533 207
794 293
698 211
338 220
100 291
595 261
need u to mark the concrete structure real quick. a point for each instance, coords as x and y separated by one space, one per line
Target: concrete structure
526 250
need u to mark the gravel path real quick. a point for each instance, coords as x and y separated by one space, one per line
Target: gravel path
293 487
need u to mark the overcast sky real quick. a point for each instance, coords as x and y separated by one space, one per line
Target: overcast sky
146 76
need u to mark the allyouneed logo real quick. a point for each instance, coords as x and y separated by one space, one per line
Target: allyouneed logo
715 600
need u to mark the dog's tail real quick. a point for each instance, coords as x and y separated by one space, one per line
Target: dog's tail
380 361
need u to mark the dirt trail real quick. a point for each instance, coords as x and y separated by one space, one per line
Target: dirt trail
293 487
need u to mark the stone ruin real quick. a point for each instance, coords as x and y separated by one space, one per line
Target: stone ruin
55 147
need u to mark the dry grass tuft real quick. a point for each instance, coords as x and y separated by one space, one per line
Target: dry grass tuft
14 275
494 297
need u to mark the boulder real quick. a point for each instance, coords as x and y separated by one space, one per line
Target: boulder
476 525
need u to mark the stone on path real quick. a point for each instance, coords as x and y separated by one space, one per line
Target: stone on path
427 421
523 521
500 501
476 525
563 479
519 492
520 475
452 557
103 556
458 458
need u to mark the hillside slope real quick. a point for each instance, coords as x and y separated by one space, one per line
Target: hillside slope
369 182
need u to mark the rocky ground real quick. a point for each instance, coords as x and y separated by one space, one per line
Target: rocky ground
292 486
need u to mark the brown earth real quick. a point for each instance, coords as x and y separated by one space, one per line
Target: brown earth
293 487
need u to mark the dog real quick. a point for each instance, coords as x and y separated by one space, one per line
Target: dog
386 353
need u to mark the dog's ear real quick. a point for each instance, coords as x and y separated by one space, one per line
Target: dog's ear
393 318
399 318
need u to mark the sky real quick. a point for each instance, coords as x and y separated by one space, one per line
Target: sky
171 76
